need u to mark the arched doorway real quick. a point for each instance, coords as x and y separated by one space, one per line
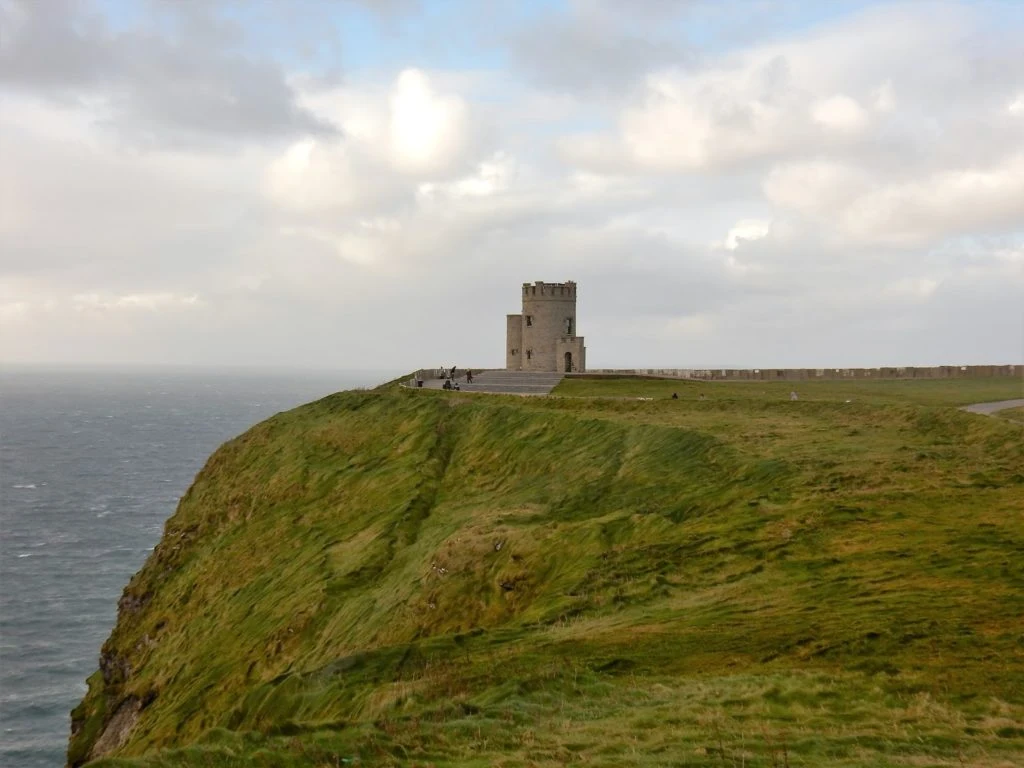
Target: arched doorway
568 362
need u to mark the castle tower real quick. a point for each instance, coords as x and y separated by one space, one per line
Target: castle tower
543 337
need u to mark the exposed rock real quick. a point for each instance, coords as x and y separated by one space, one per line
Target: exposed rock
130 604
115 668
118 728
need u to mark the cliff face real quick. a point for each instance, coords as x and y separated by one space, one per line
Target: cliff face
406 557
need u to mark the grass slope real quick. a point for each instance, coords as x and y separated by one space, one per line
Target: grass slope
423 578
1014 414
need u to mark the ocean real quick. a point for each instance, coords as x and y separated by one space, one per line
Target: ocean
91 465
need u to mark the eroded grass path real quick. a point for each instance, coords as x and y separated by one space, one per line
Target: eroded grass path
992 409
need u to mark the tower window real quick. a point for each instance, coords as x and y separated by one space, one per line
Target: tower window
529 320
529 354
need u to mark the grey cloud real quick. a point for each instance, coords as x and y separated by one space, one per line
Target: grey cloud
590 55
604 47
636 9
181 83
388 8
53 45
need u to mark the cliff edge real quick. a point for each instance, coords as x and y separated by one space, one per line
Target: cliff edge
409 577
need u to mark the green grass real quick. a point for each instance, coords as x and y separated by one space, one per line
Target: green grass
1014 414
918 391
423 578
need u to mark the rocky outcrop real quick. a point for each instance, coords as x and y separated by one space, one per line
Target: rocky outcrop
118 728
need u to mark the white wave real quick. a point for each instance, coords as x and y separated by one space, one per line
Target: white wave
25 485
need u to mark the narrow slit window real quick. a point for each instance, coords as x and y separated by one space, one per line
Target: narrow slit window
529 320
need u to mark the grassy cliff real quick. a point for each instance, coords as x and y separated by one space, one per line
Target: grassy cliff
424 578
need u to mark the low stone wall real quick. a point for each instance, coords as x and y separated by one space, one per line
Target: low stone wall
805 374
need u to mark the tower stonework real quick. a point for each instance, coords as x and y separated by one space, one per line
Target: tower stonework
543 337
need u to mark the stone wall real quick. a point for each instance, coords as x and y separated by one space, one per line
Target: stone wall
811 374
513 342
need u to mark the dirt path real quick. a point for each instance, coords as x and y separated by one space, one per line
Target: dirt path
989 409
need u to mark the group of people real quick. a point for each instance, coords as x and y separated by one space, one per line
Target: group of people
449 377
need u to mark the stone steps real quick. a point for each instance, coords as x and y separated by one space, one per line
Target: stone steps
514 382
518 377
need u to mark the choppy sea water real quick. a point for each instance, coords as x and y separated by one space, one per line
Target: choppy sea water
91 465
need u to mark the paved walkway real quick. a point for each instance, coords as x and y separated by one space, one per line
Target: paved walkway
504 382
989 409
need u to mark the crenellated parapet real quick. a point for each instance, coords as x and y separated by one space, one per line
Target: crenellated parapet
540 291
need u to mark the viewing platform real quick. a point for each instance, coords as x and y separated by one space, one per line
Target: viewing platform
498 381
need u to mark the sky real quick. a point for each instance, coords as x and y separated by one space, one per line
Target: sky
366 184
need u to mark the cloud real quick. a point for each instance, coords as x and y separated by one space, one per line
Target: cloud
328 176
184 78
590 55
948 202
745 231
824 93
919 288
492 177
150 302
427 130
391 140
842 114
883 98
815 186
693 122
188 184
902 211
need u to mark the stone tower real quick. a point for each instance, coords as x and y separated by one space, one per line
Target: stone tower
543 337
